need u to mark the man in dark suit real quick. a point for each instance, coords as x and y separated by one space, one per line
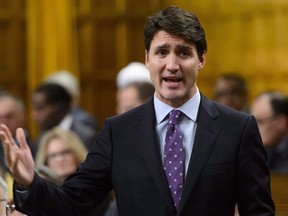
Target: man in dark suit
218 159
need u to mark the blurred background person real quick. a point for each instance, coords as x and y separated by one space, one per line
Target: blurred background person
71 83
133 72
230 89
134 87
7 207
3 191
270 109
51 107
60 153
12 113
132 95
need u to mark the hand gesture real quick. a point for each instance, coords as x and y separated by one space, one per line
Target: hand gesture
19 159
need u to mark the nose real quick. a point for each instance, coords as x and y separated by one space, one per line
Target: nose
172 63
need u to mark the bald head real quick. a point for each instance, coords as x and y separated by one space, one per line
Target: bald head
11 112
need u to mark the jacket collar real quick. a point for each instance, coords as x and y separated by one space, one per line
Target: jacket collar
207 130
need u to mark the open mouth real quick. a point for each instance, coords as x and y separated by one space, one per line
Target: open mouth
172 79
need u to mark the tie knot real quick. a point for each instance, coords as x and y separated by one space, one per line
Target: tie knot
174 117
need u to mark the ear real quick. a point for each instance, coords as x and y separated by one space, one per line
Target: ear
202 60
147 59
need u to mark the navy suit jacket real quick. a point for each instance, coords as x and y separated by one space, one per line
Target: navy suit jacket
227 166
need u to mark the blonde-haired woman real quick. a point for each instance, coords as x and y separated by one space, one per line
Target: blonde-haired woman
61 151
59 154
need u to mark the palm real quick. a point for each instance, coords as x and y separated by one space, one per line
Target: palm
19 159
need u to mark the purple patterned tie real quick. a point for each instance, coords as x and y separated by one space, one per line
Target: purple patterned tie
174 156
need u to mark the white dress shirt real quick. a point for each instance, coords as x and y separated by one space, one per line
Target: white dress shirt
188 124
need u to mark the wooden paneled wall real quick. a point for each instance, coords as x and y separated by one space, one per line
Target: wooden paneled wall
110 35
13 47
248 36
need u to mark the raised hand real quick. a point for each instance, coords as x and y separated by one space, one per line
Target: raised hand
19 159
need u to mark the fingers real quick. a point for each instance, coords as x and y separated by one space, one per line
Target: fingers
21 138
6 136
7 140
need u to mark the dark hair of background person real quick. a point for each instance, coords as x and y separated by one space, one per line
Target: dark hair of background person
55 94
145 90
280 106
240 86
278 101
183 25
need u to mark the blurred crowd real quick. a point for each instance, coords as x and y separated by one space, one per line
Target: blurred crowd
67 132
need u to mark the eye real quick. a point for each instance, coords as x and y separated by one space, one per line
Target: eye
161 52
184 54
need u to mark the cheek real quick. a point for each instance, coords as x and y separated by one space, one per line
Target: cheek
72 162
52 165
267 133
155 78
190 78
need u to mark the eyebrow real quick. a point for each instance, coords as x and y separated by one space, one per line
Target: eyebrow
185 47
179 46
164 46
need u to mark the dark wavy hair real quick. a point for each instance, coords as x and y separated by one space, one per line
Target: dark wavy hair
176 21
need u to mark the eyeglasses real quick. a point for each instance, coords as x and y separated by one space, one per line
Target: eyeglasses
63 153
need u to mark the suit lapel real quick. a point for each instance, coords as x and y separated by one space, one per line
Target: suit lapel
150 148
208 127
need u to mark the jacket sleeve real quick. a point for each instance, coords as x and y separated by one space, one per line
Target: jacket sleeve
253 180
80 193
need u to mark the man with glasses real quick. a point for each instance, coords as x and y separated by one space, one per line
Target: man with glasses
270 109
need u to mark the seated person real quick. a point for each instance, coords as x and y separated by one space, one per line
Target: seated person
61 151
51 107
270 109
230 89
132 95
71 83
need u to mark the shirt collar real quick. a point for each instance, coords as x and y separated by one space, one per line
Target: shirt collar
162 109
66 123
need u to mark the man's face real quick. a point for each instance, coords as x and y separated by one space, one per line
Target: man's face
227 93
271 128
173 64
127 98
10 114
42 112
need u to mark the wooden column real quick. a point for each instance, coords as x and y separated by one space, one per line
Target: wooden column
51 40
